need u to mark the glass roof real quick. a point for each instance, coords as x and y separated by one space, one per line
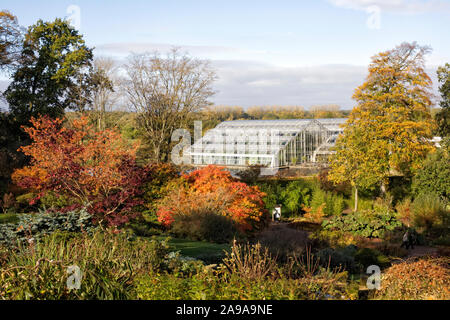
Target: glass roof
276 134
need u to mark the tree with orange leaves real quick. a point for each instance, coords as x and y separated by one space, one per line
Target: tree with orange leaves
389 131
94 168
213 189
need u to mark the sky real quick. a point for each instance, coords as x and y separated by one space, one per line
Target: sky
284 52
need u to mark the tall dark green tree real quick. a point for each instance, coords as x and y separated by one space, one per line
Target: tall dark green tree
53 72
443 117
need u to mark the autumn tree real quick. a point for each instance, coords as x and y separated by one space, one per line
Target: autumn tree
443 117
53 72
212 189
165 92
389 130
10 40
93 168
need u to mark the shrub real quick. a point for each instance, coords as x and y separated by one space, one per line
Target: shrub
248 272
319 199
341 259
364 203
295 195
213 189
272 193
250 262
108 262
314 215
37 225
283 242
157 184
23 202
400 188
337 203
367 257
428 211
331 203
432 178
52 200
424 279
292 195
368 224
142 228
442 240
333 238
204 226
404 213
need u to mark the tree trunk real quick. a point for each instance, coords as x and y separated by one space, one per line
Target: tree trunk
383 189
356 199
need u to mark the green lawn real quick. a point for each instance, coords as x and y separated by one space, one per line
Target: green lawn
196 249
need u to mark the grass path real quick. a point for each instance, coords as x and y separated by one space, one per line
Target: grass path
196 249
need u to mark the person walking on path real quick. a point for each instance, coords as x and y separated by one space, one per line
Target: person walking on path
406 240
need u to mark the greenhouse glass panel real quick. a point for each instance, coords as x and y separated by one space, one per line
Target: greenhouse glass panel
272 143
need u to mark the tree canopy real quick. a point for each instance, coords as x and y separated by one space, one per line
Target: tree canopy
389 130
53 72
166 91
10 40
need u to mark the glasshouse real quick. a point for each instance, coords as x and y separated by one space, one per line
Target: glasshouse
271 143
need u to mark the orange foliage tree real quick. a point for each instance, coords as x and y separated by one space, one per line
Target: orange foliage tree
214 189
95 169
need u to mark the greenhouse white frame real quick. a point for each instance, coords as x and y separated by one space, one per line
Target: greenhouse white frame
271 143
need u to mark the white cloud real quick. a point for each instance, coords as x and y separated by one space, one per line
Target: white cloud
247 83
396 6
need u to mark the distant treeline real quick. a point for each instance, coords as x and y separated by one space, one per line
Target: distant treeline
213 115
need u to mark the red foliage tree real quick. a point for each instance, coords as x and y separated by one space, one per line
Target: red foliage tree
96 169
